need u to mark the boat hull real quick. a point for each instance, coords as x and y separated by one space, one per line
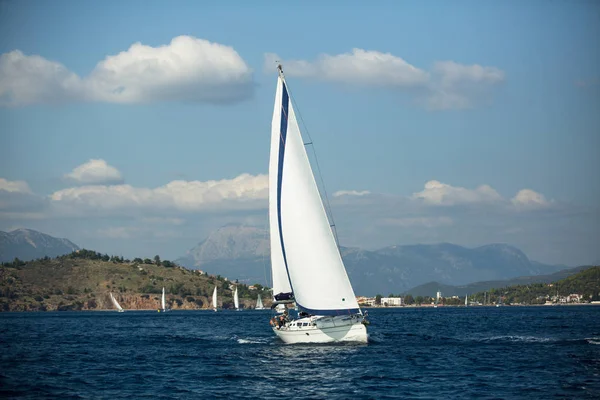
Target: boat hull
349 333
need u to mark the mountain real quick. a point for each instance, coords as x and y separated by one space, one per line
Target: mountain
242 252
27 244
395 269
430 288
237 252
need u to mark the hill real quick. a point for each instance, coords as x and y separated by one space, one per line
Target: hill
430 288
585 283
27 244
82 280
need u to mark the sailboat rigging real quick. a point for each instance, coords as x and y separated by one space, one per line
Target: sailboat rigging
307 267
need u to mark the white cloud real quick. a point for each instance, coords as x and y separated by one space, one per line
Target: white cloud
95 172
14 186
437 193
455 86
351 193
244 191
527 198
187 69
359 67
449 85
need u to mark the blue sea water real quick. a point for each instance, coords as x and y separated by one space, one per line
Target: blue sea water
418 353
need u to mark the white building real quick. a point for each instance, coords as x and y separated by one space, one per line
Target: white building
392 301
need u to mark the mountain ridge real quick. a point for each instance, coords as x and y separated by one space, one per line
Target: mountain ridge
29 244
243 252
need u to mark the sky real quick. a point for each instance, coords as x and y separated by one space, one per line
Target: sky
138 127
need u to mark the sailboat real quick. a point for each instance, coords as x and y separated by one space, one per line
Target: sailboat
307 267
259 304
163 304
214 300
466 300
116 303
236 300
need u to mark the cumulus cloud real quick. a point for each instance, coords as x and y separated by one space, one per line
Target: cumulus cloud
244 191
14 186
527 198
16 198
455 86
186 69
437 193
358 67
95 171
351 193
448 85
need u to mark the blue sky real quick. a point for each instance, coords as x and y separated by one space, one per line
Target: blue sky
503 95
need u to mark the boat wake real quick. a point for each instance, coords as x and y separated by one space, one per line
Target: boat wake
253 341
518 338
593 340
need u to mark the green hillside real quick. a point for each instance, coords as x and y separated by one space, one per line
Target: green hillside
83 280
585 283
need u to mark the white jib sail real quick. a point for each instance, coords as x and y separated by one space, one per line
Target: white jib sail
306 242
162 303
259 304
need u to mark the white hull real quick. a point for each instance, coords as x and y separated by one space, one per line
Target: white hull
350 333
323 330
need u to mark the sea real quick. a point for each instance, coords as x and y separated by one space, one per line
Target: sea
413 353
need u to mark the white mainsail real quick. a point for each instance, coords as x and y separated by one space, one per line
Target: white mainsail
162 303
236 299
259 303
214 299
466 300
304 254
115 302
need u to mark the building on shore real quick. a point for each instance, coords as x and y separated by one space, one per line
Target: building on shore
392 301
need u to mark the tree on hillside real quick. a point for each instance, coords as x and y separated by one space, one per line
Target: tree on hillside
408 299
157 260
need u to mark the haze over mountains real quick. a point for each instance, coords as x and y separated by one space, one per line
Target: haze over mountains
242 252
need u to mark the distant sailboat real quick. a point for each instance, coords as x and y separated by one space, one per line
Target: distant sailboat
163 303
236 300
116 303
214 300
307 267
466 300
259 304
